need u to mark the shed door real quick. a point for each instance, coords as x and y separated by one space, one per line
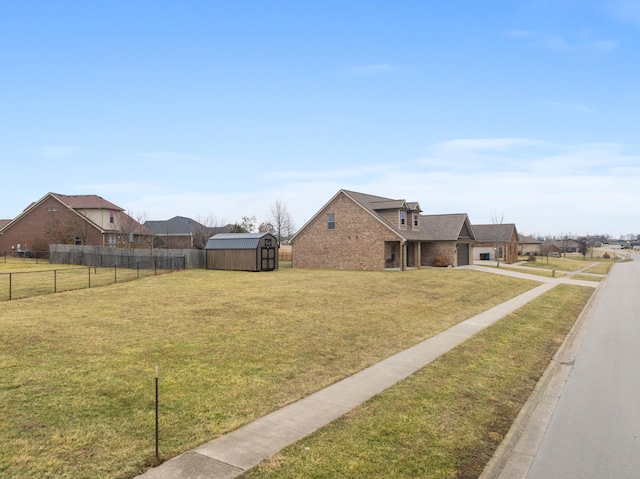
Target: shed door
463 254
268 258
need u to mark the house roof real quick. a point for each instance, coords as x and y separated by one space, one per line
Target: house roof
494 232
180 225
236 240
432 227
80 202
86 202
175 225
522 239
4 222
446 227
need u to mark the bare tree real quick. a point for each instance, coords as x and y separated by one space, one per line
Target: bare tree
70 229
498 237
130 225
248 225
282 221
266 227
204 229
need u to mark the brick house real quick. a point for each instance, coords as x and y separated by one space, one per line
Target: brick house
360 231
496 242
78 219
181 232
529 246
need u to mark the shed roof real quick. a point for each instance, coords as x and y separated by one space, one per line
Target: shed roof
236 240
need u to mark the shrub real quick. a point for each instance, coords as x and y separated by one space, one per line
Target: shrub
606 256
531 258
440 261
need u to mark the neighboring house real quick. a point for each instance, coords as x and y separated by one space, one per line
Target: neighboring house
181 232
529 246
496 242
360 231
77 219
561 246
242 252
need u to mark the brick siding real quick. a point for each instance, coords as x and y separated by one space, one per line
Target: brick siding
357 242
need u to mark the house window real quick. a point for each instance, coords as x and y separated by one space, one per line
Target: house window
415 220
131 238
403 218
52 209
331 221
111 239
77 240
111 217
500 252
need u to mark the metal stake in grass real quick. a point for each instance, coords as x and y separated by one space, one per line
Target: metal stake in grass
157 429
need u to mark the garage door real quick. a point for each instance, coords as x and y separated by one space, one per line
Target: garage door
463 254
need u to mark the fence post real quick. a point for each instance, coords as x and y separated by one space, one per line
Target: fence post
10 274
115 273
89 282
55 280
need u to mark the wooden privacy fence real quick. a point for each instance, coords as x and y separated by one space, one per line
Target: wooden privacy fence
101 256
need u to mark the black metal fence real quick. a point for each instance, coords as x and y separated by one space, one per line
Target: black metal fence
23 284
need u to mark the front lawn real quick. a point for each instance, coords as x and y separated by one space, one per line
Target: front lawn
77 368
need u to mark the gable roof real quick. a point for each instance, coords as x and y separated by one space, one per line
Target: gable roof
83 202
86 202
522 239
447 227
3 223
494 232
175 225
236 240
432 227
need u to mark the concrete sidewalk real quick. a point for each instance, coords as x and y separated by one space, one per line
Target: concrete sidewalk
232 454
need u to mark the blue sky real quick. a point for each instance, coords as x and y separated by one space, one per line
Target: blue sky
524 110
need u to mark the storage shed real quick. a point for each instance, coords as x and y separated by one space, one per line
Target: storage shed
242 252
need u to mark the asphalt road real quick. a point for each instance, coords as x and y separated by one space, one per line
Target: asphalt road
594 431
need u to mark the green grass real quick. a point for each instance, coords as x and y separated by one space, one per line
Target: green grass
446 420
77 368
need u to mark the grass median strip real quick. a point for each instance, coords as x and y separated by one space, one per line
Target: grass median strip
446 420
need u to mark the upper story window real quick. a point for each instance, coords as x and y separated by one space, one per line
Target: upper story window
416 220
331 221
111 217
403 219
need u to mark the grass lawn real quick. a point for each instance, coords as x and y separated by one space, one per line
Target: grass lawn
572 262
77 368
446 420
24 278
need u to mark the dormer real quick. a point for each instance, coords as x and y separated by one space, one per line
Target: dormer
414 215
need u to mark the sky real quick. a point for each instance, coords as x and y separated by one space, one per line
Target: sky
523 112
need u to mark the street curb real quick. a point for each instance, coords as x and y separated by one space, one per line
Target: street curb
553 378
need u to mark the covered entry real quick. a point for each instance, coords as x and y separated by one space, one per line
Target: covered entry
242 252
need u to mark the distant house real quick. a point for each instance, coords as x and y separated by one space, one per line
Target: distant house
72 219
361 231
561 246
242 252
181 232
529 246
496 242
